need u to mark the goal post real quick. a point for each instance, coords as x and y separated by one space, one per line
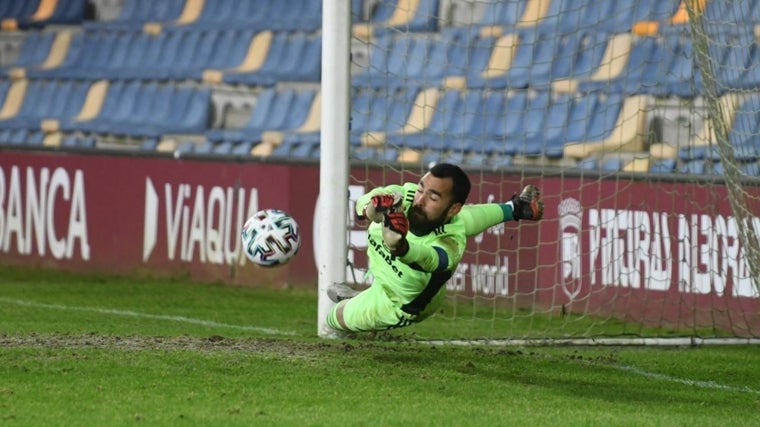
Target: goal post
639 120
331 247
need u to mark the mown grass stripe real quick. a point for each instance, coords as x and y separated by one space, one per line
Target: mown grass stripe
129 313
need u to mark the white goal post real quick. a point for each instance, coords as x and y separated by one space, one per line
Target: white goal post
333 177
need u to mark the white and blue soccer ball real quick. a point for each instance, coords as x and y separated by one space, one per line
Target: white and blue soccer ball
271 237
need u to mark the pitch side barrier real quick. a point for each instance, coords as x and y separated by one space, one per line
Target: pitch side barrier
658 250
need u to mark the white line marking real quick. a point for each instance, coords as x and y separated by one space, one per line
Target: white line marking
183 319
701 384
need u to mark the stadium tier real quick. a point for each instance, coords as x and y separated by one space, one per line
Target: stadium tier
588 84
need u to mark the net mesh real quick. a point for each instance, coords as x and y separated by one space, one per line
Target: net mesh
640 121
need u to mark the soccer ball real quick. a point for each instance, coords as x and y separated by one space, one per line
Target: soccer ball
271 237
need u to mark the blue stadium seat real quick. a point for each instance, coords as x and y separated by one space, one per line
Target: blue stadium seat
4 86
576 125
10 9
604 118
605 17
661 65
533 61
578 54
47 99
293 56
173 54
414 59
503 13
490 117
612 164
625 14
425 18
66 12
379 110
479 55
34 50
274 110
374 154
148 110
79 141
695 167
588 163
662 166
448 128
529 140
722 13
135 13
446 113
304 15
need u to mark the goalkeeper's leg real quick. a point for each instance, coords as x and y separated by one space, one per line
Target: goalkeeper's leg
370 310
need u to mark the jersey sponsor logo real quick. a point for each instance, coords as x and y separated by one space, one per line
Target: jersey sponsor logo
380 249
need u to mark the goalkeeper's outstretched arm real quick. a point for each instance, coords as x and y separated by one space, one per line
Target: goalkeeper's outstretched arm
478 218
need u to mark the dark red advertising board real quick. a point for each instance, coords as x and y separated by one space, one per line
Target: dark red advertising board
661 253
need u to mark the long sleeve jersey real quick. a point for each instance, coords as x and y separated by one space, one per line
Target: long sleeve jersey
414 279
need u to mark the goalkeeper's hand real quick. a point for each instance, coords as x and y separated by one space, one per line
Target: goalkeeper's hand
528 205
395 227
381 204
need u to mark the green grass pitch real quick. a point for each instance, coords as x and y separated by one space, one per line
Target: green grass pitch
109 351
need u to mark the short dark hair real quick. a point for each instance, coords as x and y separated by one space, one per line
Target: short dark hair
461 187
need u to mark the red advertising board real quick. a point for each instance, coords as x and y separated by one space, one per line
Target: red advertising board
166 216
660 253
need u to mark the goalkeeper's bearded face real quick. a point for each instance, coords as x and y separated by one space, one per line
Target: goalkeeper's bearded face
433 204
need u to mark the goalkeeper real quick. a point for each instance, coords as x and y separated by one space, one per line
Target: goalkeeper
415 242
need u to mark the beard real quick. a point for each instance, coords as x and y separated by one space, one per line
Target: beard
420 224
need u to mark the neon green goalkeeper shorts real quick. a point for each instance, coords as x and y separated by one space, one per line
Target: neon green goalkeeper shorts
370 310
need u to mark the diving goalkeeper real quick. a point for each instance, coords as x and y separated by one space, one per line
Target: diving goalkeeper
415 242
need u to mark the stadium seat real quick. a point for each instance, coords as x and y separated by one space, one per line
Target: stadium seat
406 15
662 166
446 112
39 13
46 99
529 139
503 14
134 14
695 167
274 110
378 110
542 56
491 57
34 50
142 109
614 126
375 154
418 119
291 57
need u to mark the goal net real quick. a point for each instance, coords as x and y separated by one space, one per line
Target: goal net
639 120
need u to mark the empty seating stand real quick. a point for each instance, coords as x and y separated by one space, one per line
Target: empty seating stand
142 109
22 15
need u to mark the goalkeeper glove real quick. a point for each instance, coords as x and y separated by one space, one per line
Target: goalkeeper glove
395 227
380 204
528 205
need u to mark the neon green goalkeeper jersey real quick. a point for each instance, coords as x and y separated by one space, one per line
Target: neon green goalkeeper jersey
415 279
